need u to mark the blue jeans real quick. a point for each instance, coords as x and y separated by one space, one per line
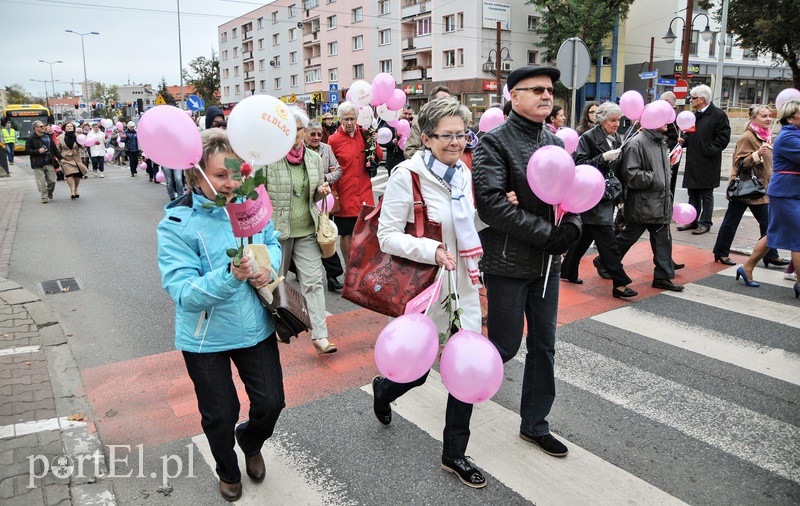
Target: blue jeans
259 368
10 152
174 181
509 299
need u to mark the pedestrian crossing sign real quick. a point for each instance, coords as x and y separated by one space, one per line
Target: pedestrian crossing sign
160 101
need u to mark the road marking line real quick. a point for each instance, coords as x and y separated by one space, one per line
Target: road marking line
768 276
17 351
775 312
580 478
23 428
774 362
730 428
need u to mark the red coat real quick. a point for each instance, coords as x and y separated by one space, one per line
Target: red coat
354 187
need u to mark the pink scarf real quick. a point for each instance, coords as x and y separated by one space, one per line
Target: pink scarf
763 133
295 156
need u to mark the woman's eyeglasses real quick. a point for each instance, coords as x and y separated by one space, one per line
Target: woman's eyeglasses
450 137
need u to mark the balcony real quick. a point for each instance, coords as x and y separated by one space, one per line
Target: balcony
422 42
311 38
415 9
248 35
247 55
250 75
408 44
412 75
314 61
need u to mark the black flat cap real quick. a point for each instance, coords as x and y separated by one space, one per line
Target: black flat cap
530 71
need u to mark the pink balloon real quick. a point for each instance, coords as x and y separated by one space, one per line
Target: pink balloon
402 143
632 104
685 120
407 347
403 127
119 125
570 138
142 166
683 214
471 367
786 95
396 101
393 123
160 177
551 172
506 93
170 137
328 201
383 88
384 135
491 119
655 115
672 115
89 142
81 139
586 191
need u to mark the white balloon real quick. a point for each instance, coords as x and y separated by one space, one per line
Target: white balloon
365 117
386 114
360 92
261 129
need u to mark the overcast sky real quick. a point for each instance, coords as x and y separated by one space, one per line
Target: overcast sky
138 39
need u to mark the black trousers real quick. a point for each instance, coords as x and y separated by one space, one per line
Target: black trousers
660 244
98 163
333 266
730 223
603 237
703 201
456 418
133 158
259 368
673 180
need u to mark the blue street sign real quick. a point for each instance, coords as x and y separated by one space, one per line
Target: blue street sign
326 107
193 103
649 75
99 105
666 82
83 106
333 87
334 95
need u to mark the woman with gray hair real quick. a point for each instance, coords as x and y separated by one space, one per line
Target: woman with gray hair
446 187
600 147
295 183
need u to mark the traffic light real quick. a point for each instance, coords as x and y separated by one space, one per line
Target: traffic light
76 106
130 104
94 105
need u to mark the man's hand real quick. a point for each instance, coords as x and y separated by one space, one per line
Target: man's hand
512 197
42 150
562 238
243 272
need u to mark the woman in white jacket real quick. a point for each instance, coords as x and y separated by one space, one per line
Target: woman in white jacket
447 191
97 152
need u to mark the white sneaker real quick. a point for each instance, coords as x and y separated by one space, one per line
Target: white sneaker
102 175
324 346
791 276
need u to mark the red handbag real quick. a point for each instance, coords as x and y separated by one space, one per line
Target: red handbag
381 282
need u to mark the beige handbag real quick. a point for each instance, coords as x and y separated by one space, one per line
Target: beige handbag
326 232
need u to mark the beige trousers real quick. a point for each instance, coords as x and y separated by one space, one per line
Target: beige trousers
45 180
307 257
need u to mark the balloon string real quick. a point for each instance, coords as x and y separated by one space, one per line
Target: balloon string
559 216
203 173
630 138
439 278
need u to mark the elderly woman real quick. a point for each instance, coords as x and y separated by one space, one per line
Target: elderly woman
447 191
556 119
600 148
71 161
784 196
753 155
586 122
355 186
218 318
295 183
98 150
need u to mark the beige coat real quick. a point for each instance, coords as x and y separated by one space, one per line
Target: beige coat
71 158
746 154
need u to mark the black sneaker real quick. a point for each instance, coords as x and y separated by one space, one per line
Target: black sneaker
469 475
548 444
382 410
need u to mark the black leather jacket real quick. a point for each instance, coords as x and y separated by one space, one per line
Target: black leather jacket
590 152
39 160
514 243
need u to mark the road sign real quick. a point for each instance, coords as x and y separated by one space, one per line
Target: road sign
193 103
292 98
681 89
160 101
334 96
574 62
82 106
666 82
680 101
333 87
649 75
326 107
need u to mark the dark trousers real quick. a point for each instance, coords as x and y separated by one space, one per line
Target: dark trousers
603 237
456 421
660 244
10 151
703 201
98 163
673 180
133 158
333 266
509 299
259 368
4 161
733 216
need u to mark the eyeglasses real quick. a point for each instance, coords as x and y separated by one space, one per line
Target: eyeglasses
694 98
450 137
537 90
315 134
218 124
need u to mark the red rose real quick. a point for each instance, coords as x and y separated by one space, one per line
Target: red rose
246 169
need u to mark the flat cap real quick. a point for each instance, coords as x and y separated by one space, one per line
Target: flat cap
530 71
327 115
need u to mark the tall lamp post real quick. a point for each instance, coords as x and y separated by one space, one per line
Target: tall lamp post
670 36
489 65
45 81
52 79
83 50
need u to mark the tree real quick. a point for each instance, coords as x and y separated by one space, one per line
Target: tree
106 94
764 27
164 92
591 20
16 94
204 76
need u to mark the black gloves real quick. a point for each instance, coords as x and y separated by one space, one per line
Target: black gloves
562 238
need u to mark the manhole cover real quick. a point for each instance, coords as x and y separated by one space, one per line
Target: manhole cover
64 285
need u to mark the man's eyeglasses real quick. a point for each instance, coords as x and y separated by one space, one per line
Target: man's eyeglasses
694 98
537 90
219 124
450 137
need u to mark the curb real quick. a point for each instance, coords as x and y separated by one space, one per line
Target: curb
68 393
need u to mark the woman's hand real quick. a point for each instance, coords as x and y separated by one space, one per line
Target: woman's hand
763 149
323 189
261 278
243 272
512 197
445 259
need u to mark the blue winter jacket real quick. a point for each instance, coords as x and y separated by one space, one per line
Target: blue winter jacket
214 311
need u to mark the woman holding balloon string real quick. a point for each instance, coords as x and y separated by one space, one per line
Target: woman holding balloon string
71 161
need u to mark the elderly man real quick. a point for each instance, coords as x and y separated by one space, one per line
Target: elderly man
42 150
704 149
520 239
414 141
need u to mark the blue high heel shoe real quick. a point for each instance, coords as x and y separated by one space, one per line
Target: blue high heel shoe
740 272
796 291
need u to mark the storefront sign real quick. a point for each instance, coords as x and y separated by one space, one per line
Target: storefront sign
693 68
413 89
494 12
490 86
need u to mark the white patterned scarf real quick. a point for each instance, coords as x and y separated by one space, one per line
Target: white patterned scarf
469 244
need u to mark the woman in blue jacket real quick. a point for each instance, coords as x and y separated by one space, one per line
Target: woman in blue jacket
218 318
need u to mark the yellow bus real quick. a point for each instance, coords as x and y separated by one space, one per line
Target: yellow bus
22 118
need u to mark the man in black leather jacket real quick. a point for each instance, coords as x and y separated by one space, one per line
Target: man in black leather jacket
42 150
518 243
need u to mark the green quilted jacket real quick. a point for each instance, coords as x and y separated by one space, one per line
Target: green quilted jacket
279 188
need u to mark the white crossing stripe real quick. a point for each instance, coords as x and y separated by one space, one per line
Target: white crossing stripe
777 363
729 427
761 275
17 351
783 314
23 428
580 478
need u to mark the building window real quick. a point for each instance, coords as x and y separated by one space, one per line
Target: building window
227 91
235 52
749 54
449 23
331 22
236 71
358 14
460 20
292 11
693 43
533 57
225 55
449 58
292 34
607 59
384 7
234 33
384 37
424 27
386 66
310 4
333 75
226 73
260 23
460 57
277 83
276 39
237 90
260 43
263 85
333 48
533 23
293 80
729 45
313 76
274 17
262 64
223 37
358 42
276 61
293 57
358 71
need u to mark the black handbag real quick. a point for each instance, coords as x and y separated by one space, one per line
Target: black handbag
289 311
613 188
747 188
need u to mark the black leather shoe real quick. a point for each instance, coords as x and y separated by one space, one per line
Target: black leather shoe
700 231
382 410
577 281
678 267
255 467
778 262
724 261
334 285
601 271
230 491
623 293
466 472
690 226
667 284
547 444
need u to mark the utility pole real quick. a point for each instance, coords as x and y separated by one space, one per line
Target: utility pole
180 53
687 38
721 56
83 51
650 89
499 65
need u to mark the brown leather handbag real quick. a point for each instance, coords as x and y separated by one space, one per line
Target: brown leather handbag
289 311
381 282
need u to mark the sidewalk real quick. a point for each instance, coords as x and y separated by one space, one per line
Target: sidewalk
49 451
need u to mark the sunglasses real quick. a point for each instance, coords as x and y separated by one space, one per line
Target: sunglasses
315 134
537 90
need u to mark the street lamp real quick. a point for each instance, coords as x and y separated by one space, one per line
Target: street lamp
52 79
688 23
83 50
490 64
46 98
706 34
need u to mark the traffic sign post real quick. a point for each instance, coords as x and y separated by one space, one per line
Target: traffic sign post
334 96
194 103
666 82
681 88
160 101
333 87
649 75
326 108
574 62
